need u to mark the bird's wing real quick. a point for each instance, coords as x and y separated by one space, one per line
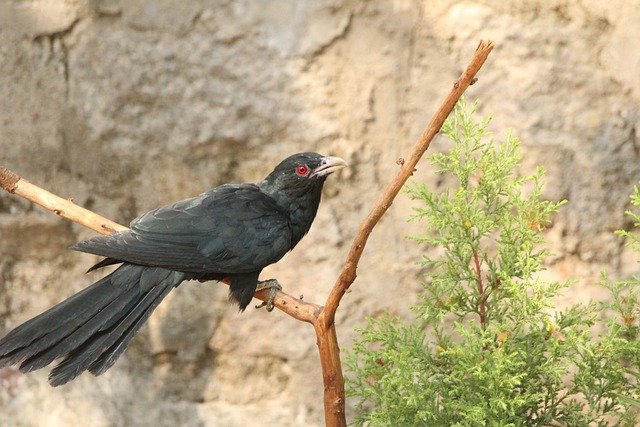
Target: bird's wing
234 228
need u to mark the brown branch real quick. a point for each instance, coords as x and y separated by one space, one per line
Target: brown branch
348 274
333 383
334 397
322 318
15 184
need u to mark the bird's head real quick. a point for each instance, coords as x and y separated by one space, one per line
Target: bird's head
301 175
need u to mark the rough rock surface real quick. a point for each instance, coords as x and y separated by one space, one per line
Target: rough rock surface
126 105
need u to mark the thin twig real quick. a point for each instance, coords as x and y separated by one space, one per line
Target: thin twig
348 273
327 339
13 183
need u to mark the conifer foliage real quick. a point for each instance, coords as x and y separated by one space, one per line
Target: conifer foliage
487 345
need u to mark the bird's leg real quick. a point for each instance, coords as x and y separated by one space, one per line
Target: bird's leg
274 286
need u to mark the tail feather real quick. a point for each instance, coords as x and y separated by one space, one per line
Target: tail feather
43 352
92 328
111 354
80 359
55 322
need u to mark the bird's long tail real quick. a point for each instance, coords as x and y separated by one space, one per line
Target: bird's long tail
92 328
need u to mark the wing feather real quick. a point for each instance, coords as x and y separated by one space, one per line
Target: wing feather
234 228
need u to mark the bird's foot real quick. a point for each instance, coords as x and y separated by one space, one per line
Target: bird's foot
274 286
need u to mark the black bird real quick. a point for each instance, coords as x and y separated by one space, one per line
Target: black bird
230 232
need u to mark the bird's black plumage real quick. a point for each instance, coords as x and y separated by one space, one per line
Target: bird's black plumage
229 232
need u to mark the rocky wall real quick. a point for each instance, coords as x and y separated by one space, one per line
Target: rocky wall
127 105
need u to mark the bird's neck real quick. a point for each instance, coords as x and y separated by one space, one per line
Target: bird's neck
301 208
302 215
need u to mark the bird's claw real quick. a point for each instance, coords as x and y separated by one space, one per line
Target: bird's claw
274 287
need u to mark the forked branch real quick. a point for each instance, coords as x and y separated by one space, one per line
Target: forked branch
325 324
322 318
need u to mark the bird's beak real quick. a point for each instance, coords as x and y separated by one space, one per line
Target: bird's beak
328 165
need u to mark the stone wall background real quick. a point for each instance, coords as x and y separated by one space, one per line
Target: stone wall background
127 105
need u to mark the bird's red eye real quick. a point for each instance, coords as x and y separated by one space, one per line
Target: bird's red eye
302 170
